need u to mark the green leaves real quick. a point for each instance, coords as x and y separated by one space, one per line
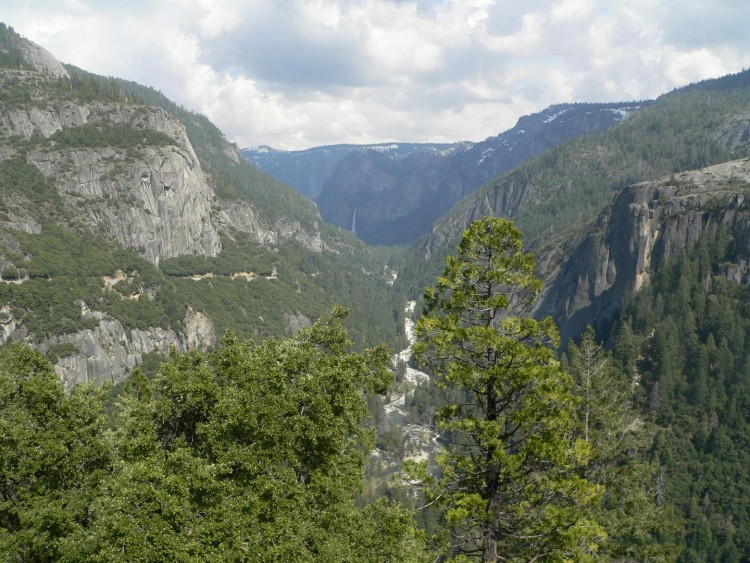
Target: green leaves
611 449
507 476
52 456
253 452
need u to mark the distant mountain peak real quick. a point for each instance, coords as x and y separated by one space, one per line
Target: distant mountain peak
35 56
263 149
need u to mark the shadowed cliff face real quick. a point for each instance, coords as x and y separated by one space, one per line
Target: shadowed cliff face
398 200
647 224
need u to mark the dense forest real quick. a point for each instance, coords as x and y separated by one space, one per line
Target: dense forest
274 445
257 450
684 337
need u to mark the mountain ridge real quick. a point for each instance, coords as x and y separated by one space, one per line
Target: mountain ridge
129 224
398 199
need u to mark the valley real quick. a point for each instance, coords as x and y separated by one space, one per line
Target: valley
197 286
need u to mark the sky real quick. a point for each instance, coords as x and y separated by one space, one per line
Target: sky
294 74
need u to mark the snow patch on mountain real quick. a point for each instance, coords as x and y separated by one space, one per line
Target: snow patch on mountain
555 115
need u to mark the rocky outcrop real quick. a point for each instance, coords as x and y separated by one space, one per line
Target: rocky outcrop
160 204
242 217
40 59
310 239
43 121
155 199
21 220
126 171
734 133
109 352
646 225
594 169
295 322
199 330
8 324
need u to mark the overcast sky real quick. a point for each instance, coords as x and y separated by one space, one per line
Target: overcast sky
299 73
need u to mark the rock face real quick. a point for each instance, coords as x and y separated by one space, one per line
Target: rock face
392 201
647 224
41 60
110 351
158 201
155 199
242 217
296 322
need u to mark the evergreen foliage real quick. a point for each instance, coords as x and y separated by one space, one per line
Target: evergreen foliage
619 439
53 456
97 136
20 180
10 54
254 452
685 336
579 178
66 268
506 478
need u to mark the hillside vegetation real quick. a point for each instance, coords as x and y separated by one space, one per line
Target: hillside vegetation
684 337
559 192
76 210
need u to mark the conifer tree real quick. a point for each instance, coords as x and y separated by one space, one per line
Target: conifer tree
618 439
507 478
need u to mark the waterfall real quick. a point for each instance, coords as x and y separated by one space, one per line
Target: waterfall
354 222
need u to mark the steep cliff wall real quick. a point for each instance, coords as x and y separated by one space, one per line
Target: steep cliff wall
152 197
647 224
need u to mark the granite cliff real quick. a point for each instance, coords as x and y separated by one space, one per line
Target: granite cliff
647 224
157 201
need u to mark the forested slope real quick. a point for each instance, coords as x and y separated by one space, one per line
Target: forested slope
559 192
684 337
129 224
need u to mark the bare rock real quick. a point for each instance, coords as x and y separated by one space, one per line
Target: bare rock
41 59
295 322
647 224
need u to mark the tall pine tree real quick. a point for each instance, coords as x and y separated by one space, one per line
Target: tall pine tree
507 478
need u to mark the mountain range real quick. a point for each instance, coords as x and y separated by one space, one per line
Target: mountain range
130 226
392 193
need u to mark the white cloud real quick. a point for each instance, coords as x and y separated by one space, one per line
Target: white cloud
298 73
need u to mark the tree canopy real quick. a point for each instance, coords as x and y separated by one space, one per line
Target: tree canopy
507 478
254 452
